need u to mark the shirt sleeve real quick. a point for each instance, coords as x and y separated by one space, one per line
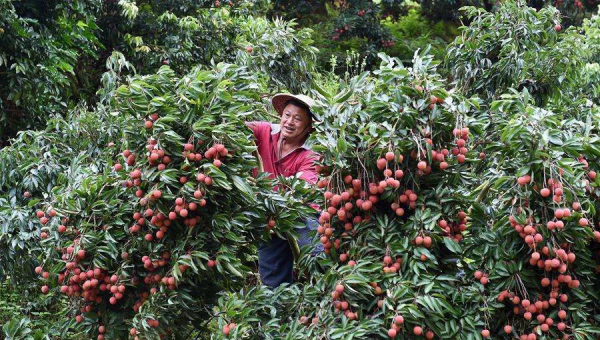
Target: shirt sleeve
253 126
308 168
260 130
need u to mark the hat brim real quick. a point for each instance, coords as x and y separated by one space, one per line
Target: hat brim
279 102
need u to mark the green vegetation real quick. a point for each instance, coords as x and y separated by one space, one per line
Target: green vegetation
458 187
25 314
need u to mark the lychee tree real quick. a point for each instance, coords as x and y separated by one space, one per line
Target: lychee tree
31 166
393 219
516 47
144 247
29 169
54 55
448 217
423 243
540 219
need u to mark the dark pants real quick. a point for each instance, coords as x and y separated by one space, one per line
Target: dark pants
276 260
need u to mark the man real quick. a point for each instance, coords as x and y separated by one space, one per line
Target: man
283 150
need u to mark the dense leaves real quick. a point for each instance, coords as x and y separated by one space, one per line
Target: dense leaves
174 211
477 233
42 44
53 55
462 208
33 165
516 47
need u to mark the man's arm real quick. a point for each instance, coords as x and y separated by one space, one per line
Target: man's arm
252 126
260 130
309 169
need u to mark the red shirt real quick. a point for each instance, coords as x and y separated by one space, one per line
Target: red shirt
300 160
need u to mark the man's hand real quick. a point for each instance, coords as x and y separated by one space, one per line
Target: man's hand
251 125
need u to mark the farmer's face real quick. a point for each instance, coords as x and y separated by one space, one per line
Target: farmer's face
295 122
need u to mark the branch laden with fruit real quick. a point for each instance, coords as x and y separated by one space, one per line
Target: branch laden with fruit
436 212
178 210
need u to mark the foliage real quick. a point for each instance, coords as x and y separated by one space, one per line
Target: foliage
283 56
451 208
516 47
348 25
363 19
573 12
25 314
42 45
182 33
29 170
408 30
414 32
475 216
55 55
130 244
449 9
589 89
19 329
338 49
591 28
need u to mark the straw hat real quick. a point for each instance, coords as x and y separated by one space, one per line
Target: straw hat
279 101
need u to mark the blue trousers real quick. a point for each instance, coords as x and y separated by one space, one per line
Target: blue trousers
276 260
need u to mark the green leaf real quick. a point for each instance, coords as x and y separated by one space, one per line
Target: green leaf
343 96
452 245
243 186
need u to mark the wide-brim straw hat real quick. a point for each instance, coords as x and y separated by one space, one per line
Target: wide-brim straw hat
280 100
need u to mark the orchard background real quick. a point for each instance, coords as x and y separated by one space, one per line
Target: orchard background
458 186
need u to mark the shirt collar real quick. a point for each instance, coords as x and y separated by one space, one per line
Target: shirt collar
276 128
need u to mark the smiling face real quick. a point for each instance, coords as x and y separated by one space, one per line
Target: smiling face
295 123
